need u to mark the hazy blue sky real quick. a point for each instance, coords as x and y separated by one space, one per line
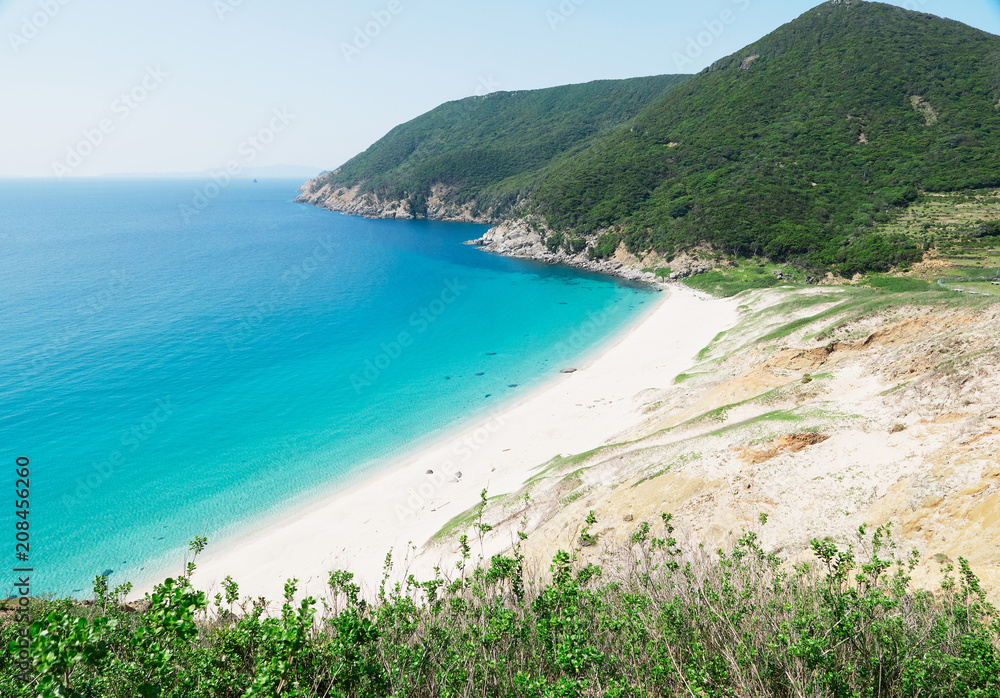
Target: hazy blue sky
182 85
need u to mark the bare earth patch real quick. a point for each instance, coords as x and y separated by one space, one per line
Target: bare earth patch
790 443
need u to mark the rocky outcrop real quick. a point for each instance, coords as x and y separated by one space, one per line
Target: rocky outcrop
518 239
354 202
525 238
350 200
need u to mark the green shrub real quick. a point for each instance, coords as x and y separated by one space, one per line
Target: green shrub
656 620
898 284
725 285
605 246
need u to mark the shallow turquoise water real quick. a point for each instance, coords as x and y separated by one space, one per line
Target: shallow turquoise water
172 378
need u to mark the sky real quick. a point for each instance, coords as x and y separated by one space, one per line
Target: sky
94 87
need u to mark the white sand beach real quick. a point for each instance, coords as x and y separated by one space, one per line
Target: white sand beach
405 505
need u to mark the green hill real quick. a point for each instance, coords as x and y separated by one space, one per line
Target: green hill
487 150
797 145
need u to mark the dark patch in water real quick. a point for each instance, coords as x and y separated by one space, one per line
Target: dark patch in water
480 374
491 353
488 394
447 378
512 385
107 573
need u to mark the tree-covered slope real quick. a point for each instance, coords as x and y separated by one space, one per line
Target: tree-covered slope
794 146
490 146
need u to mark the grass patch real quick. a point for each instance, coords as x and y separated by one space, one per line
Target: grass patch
681 377
790 327
458 523
724 284
658 473
890 391
898 284
705 353
773 416
462 521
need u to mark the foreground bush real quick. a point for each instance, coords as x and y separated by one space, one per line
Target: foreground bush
653 621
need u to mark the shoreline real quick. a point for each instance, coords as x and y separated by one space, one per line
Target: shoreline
414 496
506 237
449 435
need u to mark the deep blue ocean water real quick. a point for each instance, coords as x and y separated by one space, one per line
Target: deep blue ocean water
171 376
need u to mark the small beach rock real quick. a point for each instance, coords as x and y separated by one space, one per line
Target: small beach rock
429 472
458 475
568 370
628 517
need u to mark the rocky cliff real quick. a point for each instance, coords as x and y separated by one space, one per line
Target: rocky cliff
523 238
352 201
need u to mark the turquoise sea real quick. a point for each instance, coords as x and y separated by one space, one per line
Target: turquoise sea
174 375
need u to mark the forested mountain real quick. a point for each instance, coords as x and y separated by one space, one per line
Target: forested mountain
486 150
794 146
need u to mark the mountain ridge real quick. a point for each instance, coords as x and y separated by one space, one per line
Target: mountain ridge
794 148
474 158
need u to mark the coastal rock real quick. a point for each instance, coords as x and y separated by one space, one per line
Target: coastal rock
352 201
523 238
